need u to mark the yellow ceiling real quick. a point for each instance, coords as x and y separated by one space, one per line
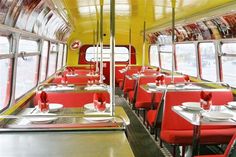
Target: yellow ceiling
82 13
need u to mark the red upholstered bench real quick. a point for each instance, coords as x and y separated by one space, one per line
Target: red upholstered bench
71 99
75 80
177 131
142 100
129 84
119 76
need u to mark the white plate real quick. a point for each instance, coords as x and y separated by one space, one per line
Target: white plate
71 75
151 85
90 106
43 119
191 87
54 107
232 104
192 105
98 119
217 116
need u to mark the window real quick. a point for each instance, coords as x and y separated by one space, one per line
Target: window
5 72
154 58
229 63
208 61
26 77
52 60
166 56
4 45
64 55
28 46
186 59
60 55
27 67
121 54
43 64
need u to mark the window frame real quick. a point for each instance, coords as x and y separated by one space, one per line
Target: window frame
51 51
23 54
221 55
9 56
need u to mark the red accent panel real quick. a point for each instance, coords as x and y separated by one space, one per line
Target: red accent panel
69 99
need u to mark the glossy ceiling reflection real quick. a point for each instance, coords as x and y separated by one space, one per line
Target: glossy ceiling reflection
36 16
132 13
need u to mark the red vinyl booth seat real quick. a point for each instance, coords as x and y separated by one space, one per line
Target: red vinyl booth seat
176 130
129 84
119 76
144 99
75 80
71 99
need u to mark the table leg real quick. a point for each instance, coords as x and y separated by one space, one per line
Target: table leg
153 100
196 139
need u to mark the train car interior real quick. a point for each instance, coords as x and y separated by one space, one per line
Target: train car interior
117 78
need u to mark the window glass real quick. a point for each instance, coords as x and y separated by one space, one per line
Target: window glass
43 65
4 45
59 59
208 62
166 48
229 63
26 76
154 58
64 55
28 46
121 54
52 60
5 83
166 61
186 59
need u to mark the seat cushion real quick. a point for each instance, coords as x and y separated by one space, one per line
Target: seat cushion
208 136
143 104
151 116
131 96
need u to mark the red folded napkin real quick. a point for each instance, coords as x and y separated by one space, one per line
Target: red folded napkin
99 101
206 96
43 97
186 78
64 79
160 80
43 105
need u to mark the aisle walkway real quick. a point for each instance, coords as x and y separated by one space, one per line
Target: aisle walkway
142 143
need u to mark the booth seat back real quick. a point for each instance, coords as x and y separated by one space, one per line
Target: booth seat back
177 79
75 80
129 84
143 96
70 99
172 121
150 72
119 76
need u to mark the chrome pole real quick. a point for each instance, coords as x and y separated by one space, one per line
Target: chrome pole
144 44
101 41
94 50
112 61
97 40
130 55
173 40
97 37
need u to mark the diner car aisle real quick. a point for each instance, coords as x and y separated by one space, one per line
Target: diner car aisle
142 144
